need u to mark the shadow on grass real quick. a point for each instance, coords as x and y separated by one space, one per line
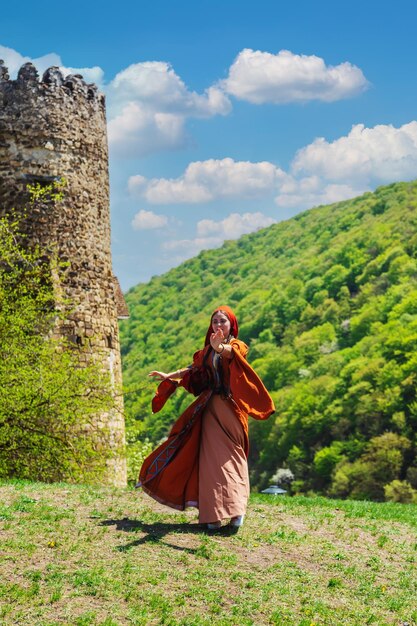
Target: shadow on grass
155 533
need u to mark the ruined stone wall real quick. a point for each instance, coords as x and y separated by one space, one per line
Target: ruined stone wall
53 128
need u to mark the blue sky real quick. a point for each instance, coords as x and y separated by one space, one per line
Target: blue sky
225 117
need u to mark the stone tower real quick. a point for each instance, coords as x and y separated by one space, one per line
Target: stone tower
50 129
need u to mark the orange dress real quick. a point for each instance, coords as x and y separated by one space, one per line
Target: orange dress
203 462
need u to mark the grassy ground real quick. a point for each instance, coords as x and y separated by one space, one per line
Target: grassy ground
83 556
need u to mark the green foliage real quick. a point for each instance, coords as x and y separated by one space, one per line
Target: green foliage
44 193
368 476
327 302
326 459
138 450
400 491
47 401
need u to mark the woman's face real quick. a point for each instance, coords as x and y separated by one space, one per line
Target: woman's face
220 320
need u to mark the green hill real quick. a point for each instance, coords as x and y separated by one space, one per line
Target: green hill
327 302
73 555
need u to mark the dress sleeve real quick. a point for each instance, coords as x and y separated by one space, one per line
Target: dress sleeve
248 391
240 347
192 381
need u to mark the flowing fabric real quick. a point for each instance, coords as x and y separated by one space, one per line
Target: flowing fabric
203 462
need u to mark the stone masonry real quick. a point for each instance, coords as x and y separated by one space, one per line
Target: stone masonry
50 129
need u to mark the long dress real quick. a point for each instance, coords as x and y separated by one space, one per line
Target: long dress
203 462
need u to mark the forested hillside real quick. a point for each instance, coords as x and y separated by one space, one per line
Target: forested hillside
327 302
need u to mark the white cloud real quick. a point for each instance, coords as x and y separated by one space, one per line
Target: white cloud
260 77
320 173
155 84
176 191
302 195
365 156
178 251
136 184
14 61
191 247
90 74
148 105
324 172
212 234
138 131
235 225
147 220
204 181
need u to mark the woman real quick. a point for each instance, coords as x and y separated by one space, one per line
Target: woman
203 463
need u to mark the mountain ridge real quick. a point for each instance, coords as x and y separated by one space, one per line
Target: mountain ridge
314 295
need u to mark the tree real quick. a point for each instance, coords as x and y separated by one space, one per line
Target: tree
379 466
47 401
326 459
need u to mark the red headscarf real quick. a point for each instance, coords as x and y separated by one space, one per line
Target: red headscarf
234 328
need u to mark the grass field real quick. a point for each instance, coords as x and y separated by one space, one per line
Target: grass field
83 556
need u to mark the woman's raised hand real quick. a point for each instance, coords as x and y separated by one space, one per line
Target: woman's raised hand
158 375
216 339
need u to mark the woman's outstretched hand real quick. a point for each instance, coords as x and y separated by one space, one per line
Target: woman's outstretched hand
159 375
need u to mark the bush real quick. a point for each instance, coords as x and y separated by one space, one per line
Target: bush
48 403
400 491
367 477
